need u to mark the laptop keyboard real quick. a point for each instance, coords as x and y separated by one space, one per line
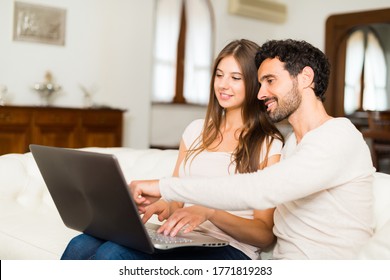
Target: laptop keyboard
161 238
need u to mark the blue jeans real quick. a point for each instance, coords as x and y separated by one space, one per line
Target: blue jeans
86 247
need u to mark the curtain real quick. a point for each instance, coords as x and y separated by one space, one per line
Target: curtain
198 56
375 73
353 71
165 47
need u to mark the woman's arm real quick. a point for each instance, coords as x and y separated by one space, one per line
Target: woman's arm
257 231
180 158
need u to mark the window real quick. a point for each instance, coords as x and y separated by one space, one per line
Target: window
182 51
365 73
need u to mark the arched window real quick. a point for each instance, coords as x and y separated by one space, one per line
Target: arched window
182 51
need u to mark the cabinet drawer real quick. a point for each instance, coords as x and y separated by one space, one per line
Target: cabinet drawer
102 118
14 116
62 127
56 118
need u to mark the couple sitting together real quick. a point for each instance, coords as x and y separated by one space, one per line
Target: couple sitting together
237 179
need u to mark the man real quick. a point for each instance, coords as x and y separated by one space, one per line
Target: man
322 188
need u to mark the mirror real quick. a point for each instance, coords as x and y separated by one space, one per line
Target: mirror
339 31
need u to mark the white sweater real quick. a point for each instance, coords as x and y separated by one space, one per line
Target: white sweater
322 190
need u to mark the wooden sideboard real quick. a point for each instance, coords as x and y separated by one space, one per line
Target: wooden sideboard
60 127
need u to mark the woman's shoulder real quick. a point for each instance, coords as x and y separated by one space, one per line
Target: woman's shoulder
276 141
192 131
195 125
276 146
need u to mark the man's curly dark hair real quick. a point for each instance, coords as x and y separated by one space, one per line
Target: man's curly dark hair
296 55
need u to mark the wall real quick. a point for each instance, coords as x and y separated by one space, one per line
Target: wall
109 45
169 121
305 20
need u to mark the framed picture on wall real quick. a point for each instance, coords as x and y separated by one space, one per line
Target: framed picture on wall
39 24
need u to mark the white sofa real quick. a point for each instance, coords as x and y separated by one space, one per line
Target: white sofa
30 227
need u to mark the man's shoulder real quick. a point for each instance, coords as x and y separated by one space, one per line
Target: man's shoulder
341 122
338 133
337 127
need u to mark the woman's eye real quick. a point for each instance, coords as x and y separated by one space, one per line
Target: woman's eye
236 78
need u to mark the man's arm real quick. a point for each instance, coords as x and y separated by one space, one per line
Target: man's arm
317 164
323 160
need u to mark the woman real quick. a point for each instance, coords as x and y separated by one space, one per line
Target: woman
236 136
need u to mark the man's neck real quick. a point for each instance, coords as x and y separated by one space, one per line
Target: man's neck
307 118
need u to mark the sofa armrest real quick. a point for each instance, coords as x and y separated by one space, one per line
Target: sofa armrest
381 191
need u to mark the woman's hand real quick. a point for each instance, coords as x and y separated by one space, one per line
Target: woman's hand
188 218
161 208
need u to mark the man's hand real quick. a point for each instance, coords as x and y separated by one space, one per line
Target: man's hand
145 192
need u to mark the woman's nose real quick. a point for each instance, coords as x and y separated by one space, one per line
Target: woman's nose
223 83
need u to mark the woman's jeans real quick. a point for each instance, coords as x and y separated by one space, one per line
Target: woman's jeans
86 247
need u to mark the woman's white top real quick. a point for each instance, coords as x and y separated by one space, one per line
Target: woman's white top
212 164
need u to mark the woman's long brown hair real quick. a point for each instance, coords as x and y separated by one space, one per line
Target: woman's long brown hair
257 126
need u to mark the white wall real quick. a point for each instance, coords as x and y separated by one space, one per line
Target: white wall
305 21
169 121
109 44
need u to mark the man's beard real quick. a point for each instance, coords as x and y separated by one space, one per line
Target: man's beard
286 106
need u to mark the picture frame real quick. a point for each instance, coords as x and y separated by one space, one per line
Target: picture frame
39 24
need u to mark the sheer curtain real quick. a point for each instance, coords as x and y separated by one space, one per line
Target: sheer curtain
353 71
364 51
375 73
198 53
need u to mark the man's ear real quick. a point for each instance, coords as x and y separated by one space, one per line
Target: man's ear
307 77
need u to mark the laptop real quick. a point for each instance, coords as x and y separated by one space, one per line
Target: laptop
92 196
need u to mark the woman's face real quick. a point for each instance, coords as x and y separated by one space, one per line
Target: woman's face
229 84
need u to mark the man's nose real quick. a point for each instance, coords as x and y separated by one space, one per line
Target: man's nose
262 94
